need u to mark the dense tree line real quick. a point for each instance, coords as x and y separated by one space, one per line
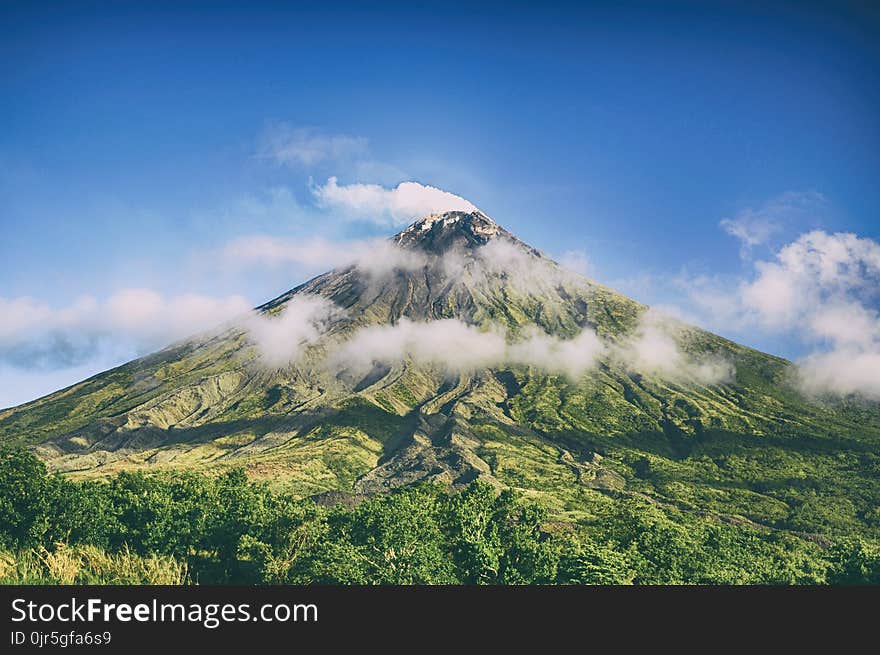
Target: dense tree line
231 529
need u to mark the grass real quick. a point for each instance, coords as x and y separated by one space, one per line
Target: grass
85 564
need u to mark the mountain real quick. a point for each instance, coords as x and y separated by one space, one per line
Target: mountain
375 392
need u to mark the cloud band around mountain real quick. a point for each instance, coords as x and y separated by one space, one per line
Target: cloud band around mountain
459 347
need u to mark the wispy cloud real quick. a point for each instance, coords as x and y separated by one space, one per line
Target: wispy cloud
377 193
391 207
754 226
375 257
311 253
35 335
577 261
452 345
307 146
271 208
654 348
749 230
320 151
281 338
449 344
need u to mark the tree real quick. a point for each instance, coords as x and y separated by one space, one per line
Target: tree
498 540
856 561
589 563
82 513
394 539
25 493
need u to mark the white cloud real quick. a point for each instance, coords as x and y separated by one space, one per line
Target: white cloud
308 147
149 317
521 269
843 371
281 338
821 288
577 261
775 296
571 357
449 344
133 321
313 149
846 323
381 258
750 230
376 257
755 226
20 317
654 349
309 253
390 207
705 300
455 346
812 275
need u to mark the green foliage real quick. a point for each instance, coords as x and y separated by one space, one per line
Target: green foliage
153 514
393 539
856 561
669 547
88 565
27 494
195 528
590 563
497 540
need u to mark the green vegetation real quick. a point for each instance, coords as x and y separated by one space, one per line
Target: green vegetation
618 476
193 528
89 565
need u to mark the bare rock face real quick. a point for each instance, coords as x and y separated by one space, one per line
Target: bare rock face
439 233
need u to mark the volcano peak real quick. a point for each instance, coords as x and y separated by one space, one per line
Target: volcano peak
441 231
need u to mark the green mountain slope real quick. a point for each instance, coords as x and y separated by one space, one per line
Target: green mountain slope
748 447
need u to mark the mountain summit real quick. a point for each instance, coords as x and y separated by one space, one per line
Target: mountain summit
459 352
438 233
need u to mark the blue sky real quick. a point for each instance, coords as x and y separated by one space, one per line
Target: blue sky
139 141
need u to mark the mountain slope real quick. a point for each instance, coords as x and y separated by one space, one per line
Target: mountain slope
744 446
